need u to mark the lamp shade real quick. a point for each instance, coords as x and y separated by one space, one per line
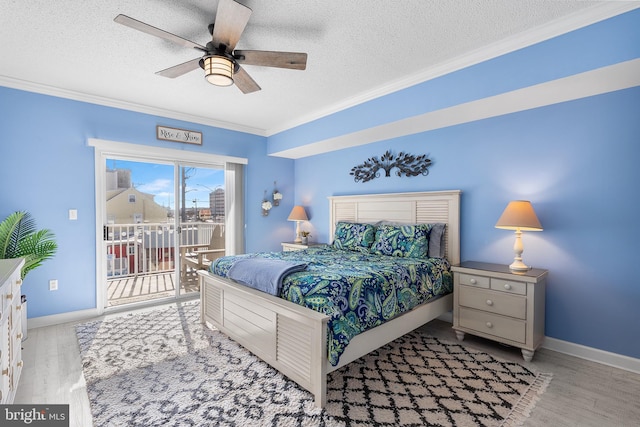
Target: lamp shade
298 214
519 214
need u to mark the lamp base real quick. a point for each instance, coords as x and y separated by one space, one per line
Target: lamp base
519 266
298 235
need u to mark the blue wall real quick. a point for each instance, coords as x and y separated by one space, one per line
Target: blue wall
608 42
47 169
582 177
576 161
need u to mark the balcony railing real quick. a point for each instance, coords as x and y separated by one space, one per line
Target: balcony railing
134 249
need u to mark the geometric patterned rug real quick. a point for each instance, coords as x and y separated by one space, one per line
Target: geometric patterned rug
163 368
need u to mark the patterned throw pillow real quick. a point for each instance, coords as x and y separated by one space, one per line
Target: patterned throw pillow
407 241
354 236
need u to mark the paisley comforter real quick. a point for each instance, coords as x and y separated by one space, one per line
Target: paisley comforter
359 291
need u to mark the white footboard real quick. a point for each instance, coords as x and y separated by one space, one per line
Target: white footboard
291 338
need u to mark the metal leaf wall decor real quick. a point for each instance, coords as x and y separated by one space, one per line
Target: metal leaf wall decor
407 165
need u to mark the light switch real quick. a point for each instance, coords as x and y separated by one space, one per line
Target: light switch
73 214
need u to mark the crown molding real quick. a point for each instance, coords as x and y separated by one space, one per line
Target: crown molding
561 26
123 105
564 25
611 78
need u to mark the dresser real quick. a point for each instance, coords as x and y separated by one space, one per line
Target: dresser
11 323
493 302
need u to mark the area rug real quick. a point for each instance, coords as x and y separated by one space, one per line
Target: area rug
163 368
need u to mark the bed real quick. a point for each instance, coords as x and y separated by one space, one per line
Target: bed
293 338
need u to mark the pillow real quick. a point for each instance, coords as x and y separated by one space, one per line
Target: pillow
407 241
436 237
353 236
436 240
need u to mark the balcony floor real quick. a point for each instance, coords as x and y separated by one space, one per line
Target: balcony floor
146 287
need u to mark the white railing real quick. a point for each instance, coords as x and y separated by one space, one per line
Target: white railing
134 249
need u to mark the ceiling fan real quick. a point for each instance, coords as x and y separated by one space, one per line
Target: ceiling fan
221 63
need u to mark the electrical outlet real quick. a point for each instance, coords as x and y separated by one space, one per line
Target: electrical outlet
53 285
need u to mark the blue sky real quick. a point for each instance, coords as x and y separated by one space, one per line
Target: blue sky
157 179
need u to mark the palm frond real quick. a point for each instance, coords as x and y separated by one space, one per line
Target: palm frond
20 239
10 234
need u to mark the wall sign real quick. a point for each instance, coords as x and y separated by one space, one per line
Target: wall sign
178 135
407 165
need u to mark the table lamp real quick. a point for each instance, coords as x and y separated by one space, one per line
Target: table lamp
519 215
298 215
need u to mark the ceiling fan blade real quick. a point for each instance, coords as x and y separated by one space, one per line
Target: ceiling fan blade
149 29
231 18
244 81
180 69
265 58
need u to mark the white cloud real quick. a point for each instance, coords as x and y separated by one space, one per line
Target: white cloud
157 186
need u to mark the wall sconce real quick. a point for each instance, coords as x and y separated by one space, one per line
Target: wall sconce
277 196
266 205
298 215
519 215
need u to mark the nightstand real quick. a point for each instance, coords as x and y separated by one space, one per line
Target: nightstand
291 246
491 301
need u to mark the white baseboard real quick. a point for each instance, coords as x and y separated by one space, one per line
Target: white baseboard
94 313
593 354
56 319
583 352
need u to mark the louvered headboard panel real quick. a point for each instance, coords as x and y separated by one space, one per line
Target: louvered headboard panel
408 208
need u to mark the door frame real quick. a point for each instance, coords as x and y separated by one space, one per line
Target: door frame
104 149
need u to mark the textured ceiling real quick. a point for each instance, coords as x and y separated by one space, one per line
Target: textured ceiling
357 49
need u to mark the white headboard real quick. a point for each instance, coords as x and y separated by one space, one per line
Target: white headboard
409 208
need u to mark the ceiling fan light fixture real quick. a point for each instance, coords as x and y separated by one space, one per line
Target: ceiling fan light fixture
218 70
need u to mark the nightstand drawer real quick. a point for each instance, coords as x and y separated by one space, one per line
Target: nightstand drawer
493 324
473 280
519 288
492 301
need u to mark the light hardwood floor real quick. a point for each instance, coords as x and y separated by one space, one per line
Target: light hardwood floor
582 393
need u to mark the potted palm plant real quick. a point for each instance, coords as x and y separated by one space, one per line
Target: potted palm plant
19 238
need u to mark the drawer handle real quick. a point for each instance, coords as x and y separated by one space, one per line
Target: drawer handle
473 281
19 336
19 282
489 302
489 325
507 286
18 307
20 364
5 371
9 296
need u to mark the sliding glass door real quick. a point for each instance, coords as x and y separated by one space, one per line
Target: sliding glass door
162 222
201 221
